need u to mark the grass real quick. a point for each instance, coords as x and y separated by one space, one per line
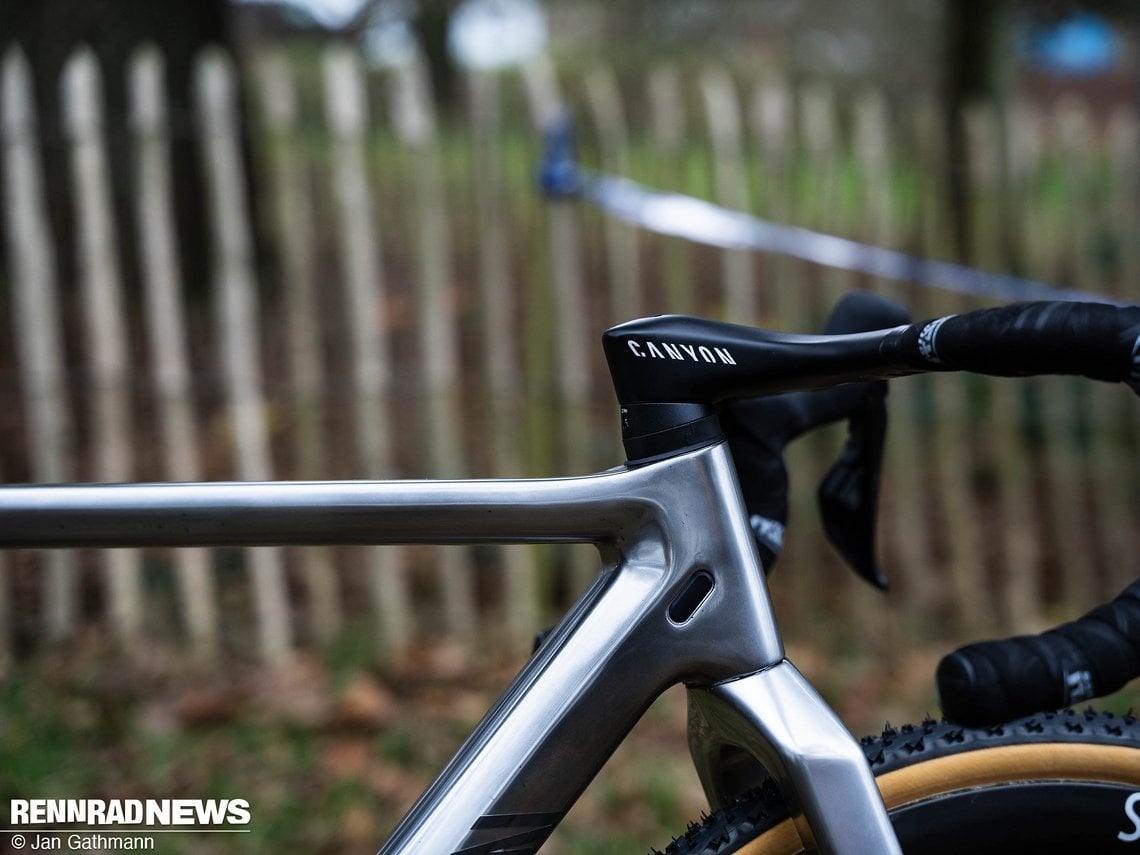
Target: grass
330 751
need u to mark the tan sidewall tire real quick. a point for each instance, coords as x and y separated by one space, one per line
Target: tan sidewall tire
983 767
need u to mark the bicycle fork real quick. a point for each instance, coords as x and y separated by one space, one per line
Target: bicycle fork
775 718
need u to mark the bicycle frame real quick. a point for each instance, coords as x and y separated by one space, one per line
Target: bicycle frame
681 597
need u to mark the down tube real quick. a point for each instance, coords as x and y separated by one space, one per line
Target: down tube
529 760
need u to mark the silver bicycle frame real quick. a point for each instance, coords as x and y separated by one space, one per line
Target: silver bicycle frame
681 597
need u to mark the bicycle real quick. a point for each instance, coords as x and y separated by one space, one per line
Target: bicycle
682 597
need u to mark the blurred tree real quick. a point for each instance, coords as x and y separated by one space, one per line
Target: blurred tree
432 22
973 59
979 53
429 21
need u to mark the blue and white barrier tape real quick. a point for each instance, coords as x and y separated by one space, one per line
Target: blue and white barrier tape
703 222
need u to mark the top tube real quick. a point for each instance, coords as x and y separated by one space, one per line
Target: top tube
599 508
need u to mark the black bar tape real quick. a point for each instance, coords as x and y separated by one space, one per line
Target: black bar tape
1089 339
994 681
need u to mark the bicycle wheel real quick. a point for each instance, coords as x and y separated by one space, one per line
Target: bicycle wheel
1057 782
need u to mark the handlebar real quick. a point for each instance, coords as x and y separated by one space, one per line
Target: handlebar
993 681
669 371
675 359
1092 340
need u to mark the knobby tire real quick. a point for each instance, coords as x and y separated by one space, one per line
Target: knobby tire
1052 783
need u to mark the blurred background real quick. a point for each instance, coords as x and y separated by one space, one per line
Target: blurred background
304 240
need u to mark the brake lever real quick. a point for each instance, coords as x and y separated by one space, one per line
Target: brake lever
759 429
848 496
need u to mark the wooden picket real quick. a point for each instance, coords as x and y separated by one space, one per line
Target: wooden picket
438 335
366 320
569 304
1003 449
236 317
946 412
501 374
772 132
668 114
623 272
168 353
1122 469
907 531
35 322
100 284
294 223
722 113
434 317
821 584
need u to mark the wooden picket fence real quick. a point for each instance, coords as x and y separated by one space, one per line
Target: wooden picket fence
425 313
